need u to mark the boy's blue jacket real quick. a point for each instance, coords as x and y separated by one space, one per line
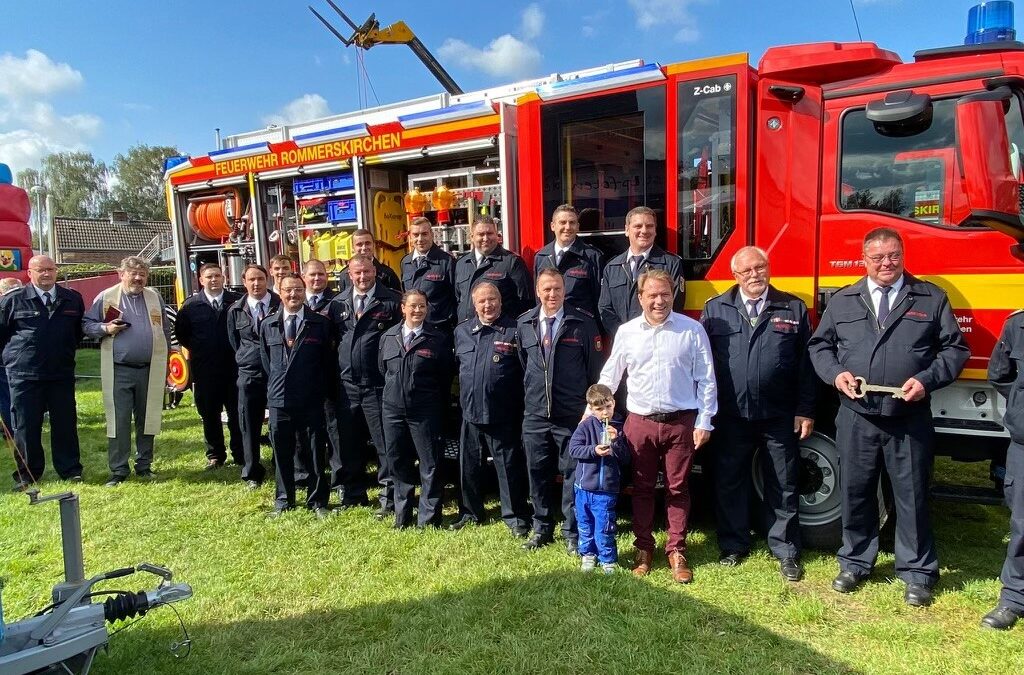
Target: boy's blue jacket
593 473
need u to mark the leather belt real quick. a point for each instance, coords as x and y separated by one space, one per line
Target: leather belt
665 418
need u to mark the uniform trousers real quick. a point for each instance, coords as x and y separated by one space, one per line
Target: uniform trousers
411 435
131 389
252 406
735 440
546 442
30 399
212 395
653 444
504 444
358 413
291 431
1012 576
903 445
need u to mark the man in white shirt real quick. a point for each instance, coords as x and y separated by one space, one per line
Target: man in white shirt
671 398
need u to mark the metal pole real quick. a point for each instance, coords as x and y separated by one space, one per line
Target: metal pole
71 540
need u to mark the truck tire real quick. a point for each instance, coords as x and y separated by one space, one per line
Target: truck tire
821 525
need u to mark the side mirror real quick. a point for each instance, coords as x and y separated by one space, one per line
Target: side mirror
901 113
983 150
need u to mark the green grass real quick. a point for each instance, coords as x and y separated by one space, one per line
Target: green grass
352 595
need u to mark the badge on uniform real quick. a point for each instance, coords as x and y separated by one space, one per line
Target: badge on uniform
597 343
496 358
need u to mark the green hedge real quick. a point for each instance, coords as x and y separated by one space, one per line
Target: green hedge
158 276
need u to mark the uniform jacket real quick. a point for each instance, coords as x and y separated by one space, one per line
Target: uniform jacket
244 335
37 345
417 380
763 370
385 276
556 387
303 376
437 280
921 339
203 331
1006 373
502 268
619 302
581 269
490 372
594 473
358 339
324 302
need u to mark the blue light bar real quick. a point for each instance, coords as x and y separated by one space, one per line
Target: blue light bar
990 22
336 134
452 113
240 151
650 72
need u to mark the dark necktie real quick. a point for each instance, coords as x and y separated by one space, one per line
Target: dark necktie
883 304
289 330
637 261
261 314
48 302
360 306
549 334
216 305
409 338
752 311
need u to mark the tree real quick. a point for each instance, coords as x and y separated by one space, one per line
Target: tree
26 179
139 188
77 182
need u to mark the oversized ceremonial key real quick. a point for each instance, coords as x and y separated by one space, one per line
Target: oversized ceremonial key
863 388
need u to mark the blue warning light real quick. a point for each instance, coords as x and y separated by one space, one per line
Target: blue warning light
990 22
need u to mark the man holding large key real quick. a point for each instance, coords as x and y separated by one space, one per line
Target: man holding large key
887 342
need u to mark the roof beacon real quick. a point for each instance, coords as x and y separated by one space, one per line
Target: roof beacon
990 22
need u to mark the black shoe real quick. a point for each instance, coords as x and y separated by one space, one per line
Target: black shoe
146 474
77 478
346 506
538 540
731 559
213 464
426 526
572 547
321 513
520 531
115 481
918 595
279 511
383 513
791 569
253 485
464 521
1001 618
846 582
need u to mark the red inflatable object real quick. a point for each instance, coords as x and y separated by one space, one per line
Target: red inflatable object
14 204
15 236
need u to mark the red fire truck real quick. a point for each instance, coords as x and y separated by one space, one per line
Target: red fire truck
801 155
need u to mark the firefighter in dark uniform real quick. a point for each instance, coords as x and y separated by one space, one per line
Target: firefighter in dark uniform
1006 373
561 352
431 270
202 328
297 352
363 243
360 316
892 329
416 362
578 262
491 396
318 299
489 261
244 319
40 328
766 388
619 300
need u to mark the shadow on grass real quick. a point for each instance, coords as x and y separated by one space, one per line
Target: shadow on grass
553 622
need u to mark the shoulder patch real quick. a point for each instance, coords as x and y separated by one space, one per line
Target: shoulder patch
598 345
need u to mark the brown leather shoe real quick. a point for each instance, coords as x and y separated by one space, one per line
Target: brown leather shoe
642 563
680 570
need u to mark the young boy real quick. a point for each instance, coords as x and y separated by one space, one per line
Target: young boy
602 451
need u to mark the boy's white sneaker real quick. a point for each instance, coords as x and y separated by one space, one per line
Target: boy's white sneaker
608 568
589 563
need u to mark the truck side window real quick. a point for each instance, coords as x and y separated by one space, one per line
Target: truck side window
707 167
913 176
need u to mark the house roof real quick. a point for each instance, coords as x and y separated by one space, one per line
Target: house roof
100 234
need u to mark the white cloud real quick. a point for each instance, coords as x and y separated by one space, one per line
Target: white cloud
590 23
672 14
303 109
532 22
505 56
30 127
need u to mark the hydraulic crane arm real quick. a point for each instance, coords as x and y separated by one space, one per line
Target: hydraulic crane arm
370 34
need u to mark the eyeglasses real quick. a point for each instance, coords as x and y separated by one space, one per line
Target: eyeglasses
891 257
758 270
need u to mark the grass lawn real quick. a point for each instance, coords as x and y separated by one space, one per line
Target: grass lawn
349 594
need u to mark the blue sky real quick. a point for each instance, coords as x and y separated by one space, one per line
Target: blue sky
103 76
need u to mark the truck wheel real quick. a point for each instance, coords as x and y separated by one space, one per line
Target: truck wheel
820 499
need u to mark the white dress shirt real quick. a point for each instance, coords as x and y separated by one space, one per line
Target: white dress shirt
254 310
762 301
876 295
300 318
542 324
406 329
669 368
215 298
368 294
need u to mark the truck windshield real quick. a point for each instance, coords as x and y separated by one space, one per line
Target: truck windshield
912 176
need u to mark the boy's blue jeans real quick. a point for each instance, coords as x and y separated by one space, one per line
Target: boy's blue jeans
595 518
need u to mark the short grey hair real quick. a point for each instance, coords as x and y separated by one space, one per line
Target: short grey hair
8 284
133 262
747 249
